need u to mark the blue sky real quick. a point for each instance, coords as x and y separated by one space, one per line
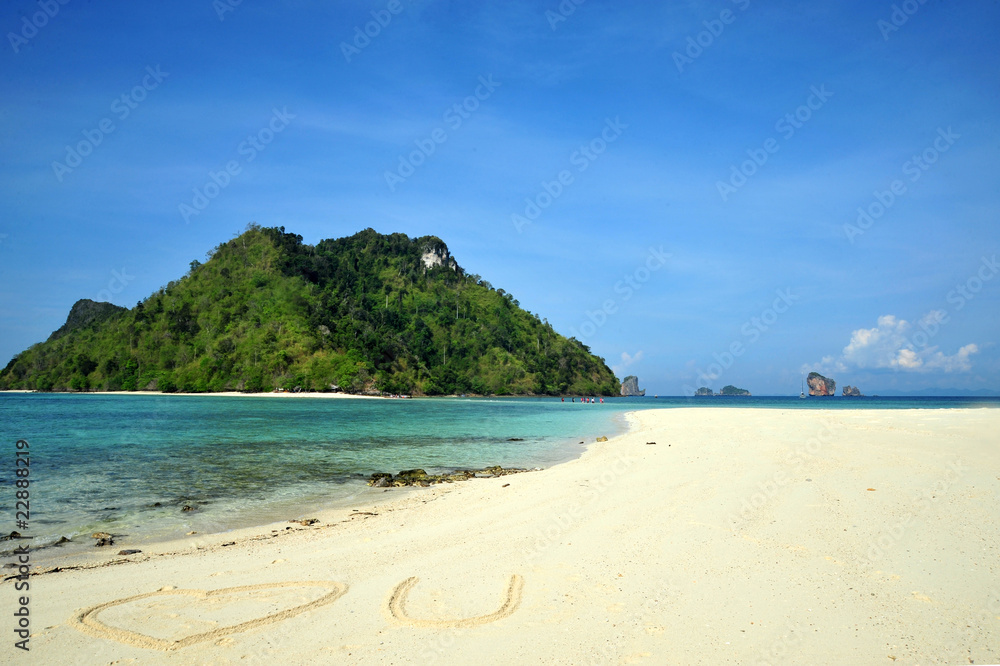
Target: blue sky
678 185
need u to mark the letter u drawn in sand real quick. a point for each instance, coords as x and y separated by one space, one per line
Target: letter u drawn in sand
396 607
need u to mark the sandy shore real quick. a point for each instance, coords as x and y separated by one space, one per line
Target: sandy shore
740 536
218 394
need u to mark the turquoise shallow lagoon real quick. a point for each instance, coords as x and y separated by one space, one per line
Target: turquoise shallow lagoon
127 464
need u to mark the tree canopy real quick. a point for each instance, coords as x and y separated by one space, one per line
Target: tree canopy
364 313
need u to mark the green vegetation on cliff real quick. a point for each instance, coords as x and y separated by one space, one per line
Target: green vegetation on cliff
366 313
728 389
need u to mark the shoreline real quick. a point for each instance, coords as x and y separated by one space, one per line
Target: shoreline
304 394
90 557
355 495
724 535
225 394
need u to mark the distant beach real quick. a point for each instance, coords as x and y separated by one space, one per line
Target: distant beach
224 394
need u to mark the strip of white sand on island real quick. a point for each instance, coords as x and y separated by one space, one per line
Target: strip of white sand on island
270 394
740 536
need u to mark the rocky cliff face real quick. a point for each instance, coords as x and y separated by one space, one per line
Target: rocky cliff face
436 254
820 385
630 387
84 313
852 391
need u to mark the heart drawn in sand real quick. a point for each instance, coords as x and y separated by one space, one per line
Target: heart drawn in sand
197 602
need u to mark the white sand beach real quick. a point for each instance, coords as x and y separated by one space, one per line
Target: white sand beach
703 536
227 394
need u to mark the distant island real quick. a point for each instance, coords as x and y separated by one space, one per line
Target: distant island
366 314
729 389
820 385
630 387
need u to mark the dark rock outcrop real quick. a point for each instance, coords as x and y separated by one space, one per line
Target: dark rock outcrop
852 391
703 391
630 387
103 539
418 477
820 385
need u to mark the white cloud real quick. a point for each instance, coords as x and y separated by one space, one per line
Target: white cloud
627 360
897 344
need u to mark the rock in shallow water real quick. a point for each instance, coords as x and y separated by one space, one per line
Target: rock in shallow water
103 539
420 478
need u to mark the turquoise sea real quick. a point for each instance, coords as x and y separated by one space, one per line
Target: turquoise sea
128 464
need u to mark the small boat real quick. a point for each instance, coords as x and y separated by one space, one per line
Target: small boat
802 393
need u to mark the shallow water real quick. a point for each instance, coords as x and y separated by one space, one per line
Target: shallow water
128 464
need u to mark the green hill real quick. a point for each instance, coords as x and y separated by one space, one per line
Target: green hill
365 313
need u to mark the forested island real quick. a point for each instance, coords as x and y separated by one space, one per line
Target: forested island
368 313
728 389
